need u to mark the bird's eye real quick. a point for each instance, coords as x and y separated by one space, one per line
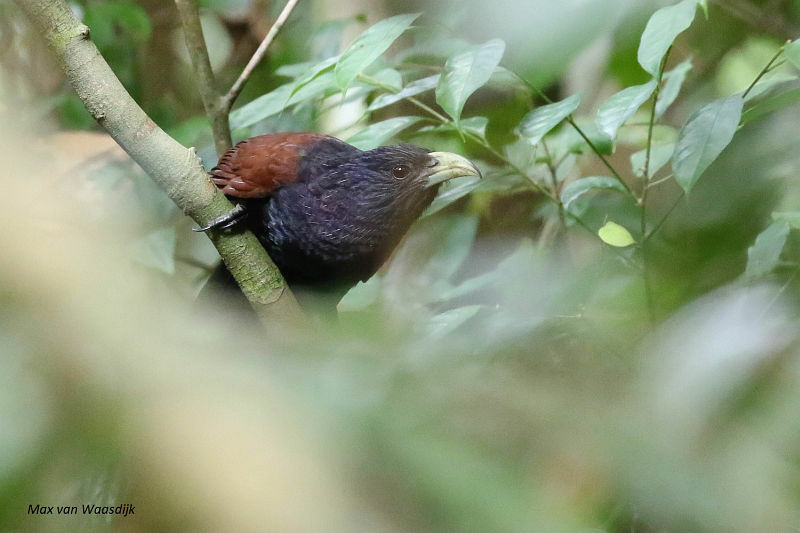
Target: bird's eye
400 171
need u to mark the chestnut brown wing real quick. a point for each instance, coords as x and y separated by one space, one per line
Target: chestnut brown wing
258 165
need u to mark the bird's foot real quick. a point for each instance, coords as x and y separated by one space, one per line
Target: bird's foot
232 217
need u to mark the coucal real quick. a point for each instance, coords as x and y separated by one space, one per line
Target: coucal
328 214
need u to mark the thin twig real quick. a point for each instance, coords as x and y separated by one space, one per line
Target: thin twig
553 168
665 217
764 70
227 101
571 121
198 52
645 188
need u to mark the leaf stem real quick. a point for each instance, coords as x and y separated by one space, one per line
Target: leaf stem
648 289
765 70
571 121
554 180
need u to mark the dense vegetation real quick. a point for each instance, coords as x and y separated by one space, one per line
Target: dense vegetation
600 335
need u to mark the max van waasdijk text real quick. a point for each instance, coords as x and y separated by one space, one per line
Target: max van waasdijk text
123 509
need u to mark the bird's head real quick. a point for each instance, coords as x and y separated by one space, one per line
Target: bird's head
396 182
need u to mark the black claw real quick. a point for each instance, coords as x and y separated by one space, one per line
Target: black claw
231 218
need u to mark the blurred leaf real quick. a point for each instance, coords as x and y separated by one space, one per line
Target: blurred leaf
790 217
671 87
520 153
368 46
572 191
389 77
769 96
262 107
445 323
536 124
792 53
378 133
157 250
613 113
129 17
615 235
660 154
466 72
763 256
575 142
363 295
452 191
294 70
412 89
454 249
706 134
475 125
662 29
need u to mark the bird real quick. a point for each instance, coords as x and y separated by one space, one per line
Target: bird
328 214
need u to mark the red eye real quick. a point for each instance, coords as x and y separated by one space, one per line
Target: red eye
400 171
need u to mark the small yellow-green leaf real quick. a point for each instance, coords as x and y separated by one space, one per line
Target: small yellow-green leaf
615 235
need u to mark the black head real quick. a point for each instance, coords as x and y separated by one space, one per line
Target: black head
396 183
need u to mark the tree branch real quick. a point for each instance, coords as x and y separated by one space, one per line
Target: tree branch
230 97
207 85
176 169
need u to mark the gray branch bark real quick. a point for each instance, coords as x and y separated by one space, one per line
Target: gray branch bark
176 169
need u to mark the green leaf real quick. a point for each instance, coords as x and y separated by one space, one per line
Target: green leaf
770 95
368 46
660 154
765 253
792 53
620 107
574 190
387 77
706 134
790 217
452 191
537 123
454 248
281 98
445 323
128 16
466 72
575 143
262 107
671 87
475 125
412 89
615 235
662 29
380 132
313 73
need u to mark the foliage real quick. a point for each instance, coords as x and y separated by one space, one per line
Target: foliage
599 335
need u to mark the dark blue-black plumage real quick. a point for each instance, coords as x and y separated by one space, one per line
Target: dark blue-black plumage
329 214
